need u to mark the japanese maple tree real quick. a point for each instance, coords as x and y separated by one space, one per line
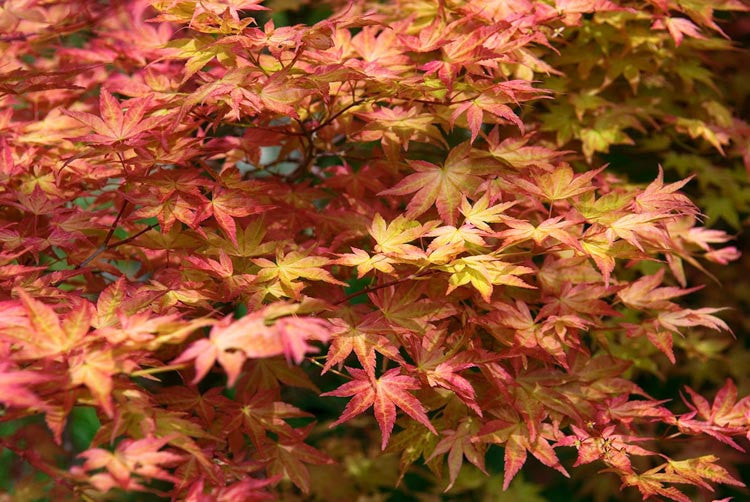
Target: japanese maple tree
214 222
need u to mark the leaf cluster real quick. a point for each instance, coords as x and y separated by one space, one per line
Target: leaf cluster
205 215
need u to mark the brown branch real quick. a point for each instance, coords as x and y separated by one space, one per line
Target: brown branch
132 237
113 227
384 285
440 103
335 116
294 59
106 247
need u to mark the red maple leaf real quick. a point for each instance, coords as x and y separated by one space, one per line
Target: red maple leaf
384 394
118 123
443 186
131 457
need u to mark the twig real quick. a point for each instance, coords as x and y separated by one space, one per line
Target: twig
384 285
335 116
294 59
159 369
335 372
106 247
113 227
105 244
132 237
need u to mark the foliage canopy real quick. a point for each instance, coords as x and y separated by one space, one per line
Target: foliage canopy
213 222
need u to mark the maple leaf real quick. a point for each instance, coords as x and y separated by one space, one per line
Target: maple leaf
95 370
246 489
635 227
115 127
291 266
232 343
198 51
651 329
131 457
613 449
699 129
280 94
658 198
409 110
692 317
644 293
481 213
21 81
475 109
226 205
356 183
40 332
289 456
384 394
484 271
678 28
560 184
725 417
15 388
248 242
651 483
441 370
604 252
38 328
517 441
442 186
180 398
363 337
702 237
625 411
514 152
579 299
458 444
222 268
396 126
404 306
449 236
262 413
523 230
169 210
392 238
365 263
691 471
695 470
572 10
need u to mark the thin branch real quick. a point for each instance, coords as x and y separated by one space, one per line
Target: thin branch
269 129
384 285
132 237
309 154
91 257
432 102
106 247
335 372
113 227
105 244
335 116
159 369
256 62
294 59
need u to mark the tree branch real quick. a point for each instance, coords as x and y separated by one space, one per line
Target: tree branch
384 285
